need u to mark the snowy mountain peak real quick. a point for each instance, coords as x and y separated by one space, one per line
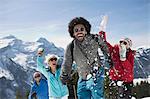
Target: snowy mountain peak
10 37
44 41
41 39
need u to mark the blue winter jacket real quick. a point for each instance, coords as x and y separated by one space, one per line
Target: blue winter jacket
41 90
56 88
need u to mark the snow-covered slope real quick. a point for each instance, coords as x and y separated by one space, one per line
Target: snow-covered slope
13 78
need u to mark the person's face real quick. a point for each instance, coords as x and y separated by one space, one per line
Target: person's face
122 42
40 53
53 62
79 32
37 77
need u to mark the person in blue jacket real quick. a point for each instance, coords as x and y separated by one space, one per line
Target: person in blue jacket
56 89
39 89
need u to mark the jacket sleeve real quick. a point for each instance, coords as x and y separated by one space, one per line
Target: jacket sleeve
40 64
106 47
42 68
67 62
103 45
32 91
59 62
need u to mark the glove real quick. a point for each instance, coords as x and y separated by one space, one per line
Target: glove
102 34
74 77
122 52
65 78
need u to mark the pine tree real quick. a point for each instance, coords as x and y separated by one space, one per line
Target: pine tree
27 94
109 91
141 90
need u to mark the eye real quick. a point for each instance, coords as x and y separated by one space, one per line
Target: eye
121 42
82 29
76 30
125 43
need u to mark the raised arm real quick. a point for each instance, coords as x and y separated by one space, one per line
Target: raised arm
41 67
102 34
106 47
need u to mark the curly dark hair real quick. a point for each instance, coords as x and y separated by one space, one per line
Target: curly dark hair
78 20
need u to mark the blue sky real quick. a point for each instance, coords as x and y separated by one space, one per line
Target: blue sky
32 19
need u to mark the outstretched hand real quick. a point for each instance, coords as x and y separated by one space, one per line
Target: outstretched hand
102 34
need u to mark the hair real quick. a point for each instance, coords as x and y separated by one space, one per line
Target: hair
78 20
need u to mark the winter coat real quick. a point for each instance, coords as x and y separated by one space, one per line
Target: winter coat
85 54
41 90
121 70
56 88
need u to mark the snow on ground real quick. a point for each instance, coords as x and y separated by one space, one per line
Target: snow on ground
135 81
133 98
21 59
142 98
146 98
5 42
6 74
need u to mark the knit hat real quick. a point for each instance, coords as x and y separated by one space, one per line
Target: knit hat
128 41
49 56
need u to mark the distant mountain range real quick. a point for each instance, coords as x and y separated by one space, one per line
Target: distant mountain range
18 61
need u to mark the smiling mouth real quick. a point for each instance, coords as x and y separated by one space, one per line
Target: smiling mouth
80 35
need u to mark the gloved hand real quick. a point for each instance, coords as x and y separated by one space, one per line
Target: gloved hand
102 34
65 78
122 52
